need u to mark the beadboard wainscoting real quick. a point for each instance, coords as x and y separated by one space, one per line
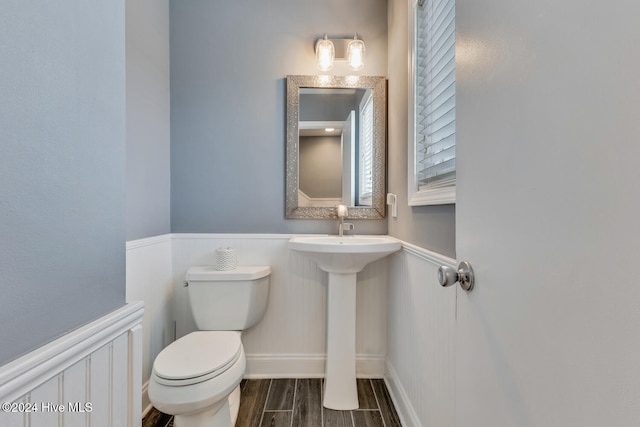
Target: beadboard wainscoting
290 340
405 319
149 279
90 376
420 358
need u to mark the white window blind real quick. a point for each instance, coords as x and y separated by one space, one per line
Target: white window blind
365 186
434 96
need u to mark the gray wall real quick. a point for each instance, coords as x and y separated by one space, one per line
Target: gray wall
431 227
148 136
62 168
320 166
228 69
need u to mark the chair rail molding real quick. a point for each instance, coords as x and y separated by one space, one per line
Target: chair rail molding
97 364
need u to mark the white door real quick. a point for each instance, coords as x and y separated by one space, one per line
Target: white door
548 213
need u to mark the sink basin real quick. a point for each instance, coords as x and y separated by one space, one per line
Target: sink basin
347 254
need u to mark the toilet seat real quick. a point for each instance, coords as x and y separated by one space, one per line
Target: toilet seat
197 357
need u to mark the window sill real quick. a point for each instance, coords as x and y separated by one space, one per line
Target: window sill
436 196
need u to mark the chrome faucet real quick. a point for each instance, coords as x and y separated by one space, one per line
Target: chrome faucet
342 211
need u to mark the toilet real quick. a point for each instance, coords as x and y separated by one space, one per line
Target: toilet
197 377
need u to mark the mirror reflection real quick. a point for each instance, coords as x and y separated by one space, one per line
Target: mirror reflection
335 140
335 146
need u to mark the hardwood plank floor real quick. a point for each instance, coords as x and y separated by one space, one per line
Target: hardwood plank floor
298 403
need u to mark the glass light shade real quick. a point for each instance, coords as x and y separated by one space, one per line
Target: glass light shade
325 53
355 54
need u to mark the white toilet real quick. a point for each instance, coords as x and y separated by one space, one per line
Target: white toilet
197 377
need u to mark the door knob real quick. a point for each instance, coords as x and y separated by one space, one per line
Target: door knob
448 276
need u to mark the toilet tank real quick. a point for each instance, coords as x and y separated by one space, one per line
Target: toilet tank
231 300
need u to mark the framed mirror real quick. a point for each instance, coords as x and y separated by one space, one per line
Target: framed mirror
336 146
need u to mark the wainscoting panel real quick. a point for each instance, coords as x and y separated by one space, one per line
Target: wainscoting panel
420 358
90 376
405 320
149 279
290 340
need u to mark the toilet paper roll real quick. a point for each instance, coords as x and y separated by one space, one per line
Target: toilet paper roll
226 259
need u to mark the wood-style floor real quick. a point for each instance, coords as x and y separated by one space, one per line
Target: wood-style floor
298 403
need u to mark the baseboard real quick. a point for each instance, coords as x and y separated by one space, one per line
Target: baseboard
146 403
406 413
307 366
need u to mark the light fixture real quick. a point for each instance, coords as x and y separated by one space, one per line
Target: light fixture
325 53
329 129
355 53
330 49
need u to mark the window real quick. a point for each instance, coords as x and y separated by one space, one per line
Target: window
432 112
365 189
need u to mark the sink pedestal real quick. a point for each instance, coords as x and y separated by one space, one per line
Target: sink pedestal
342 257
340 391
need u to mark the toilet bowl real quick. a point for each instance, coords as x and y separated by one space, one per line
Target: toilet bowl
197 377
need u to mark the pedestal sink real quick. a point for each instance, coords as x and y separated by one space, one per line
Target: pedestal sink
342 257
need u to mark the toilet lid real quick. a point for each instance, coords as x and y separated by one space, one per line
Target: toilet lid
209 273
197 357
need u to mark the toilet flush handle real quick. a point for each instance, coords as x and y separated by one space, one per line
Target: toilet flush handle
448 276
185 284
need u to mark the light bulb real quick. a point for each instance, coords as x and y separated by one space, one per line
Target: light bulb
325 53
355 53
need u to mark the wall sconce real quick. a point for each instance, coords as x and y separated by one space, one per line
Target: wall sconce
351 50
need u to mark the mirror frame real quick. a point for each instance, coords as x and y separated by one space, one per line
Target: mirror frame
377 210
